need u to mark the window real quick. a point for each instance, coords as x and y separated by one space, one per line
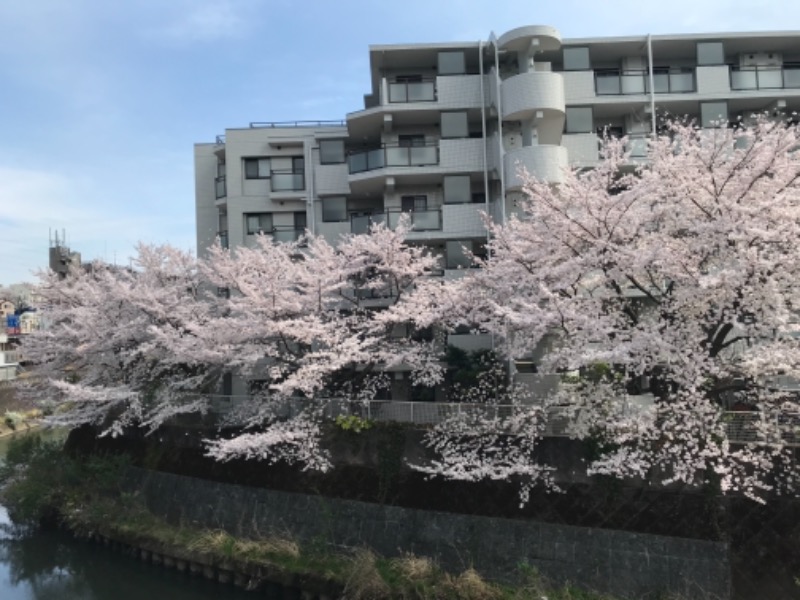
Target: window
456 258
457 189
451 63
331 152
713 114
258 223
454 125
300 221
334 209
256 168
298 164
576 59
579 120
710 53
414 203
411 141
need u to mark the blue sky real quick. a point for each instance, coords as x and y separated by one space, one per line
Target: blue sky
101 101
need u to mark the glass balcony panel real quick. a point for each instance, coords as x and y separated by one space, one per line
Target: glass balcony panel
637 146
744 80
421 92
398 92
607 84
220 187
286 235
375 159
426 220
397 157
660 83
770 78
287 182
359 224
423 155
680 82
791 77
633 83
357 162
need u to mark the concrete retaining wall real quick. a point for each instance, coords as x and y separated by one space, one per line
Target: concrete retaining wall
629 565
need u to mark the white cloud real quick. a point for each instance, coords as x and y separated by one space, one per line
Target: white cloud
203 21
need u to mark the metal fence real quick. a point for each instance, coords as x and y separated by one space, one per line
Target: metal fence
742 427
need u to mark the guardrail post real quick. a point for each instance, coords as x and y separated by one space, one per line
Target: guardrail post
412 411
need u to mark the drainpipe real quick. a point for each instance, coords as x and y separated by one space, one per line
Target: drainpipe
500 153
652 87
483 134
311 224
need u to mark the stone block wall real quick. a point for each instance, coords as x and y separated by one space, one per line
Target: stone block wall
629 565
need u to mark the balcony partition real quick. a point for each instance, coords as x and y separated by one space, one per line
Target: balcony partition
766 78
393 156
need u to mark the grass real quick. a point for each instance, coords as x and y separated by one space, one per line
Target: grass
41 482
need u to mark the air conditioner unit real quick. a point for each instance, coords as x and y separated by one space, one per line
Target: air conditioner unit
761 59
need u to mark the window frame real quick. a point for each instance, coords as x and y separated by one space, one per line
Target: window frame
322 159
258 161
260 229
345 214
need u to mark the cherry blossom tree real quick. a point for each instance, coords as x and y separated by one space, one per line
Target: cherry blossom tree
680 270
124 345
318 321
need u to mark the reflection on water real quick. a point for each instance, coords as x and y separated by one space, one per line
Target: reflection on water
51 565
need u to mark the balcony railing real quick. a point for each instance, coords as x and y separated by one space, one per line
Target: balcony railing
412 91
393 156
665 81
288 181
220 187
287 233
421 220
223 239
765 78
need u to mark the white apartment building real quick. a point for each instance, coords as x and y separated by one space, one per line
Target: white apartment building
445 126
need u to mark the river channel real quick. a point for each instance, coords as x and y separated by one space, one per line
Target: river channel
52 565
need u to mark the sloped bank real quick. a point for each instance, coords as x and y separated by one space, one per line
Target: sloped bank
371 500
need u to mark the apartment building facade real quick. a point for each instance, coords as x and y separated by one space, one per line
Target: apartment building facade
445 127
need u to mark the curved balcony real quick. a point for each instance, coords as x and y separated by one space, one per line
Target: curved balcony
546 38
528 93
543 162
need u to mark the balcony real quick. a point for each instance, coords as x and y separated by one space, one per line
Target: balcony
614 82
223 239
288 181
420 220
220 187
412 91
535 91
393 156
766 78
546 163
286 234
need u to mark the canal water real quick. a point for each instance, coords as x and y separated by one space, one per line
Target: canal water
52 565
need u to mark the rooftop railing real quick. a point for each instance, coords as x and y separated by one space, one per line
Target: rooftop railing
279 124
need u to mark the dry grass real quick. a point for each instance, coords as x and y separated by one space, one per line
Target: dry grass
414 568
225 544
364 581
471 586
